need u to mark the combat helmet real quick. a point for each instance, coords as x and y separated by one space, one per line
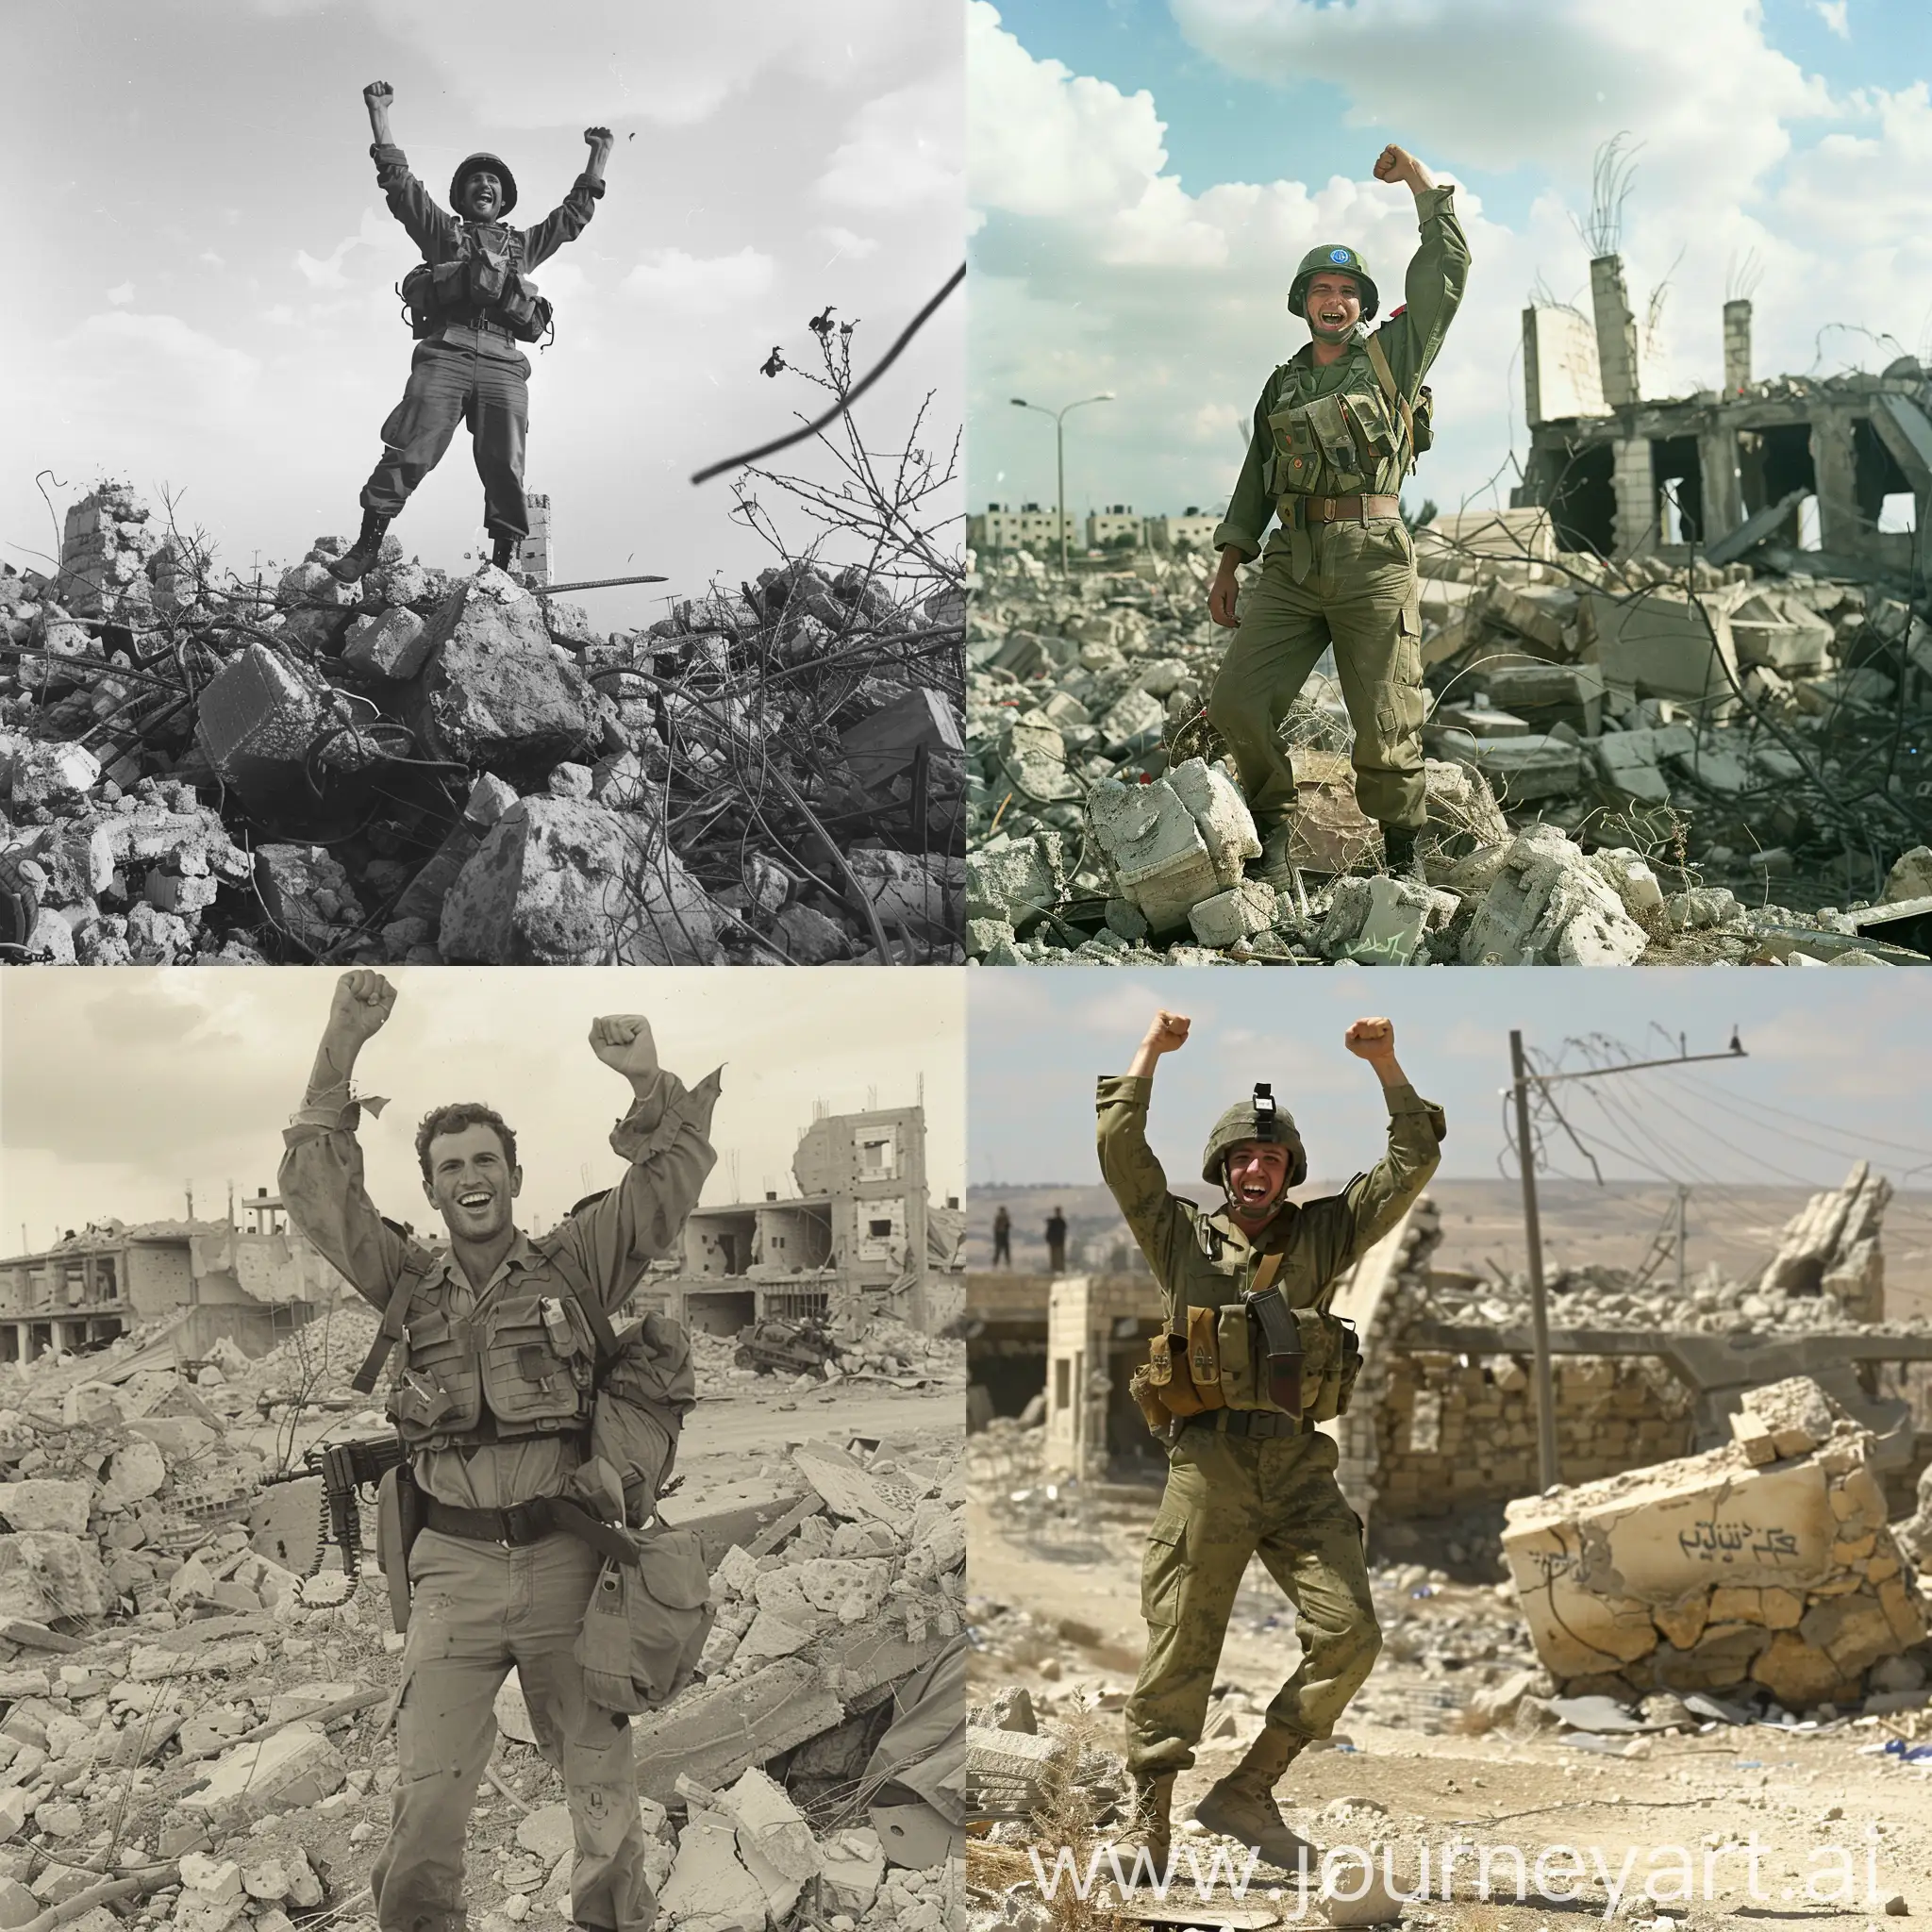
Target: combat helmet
1332 259
472 164
1256 1118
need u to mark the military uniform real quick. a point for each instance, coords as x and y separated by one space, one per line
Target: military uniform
1250 1477
493 1397
1328 454
468 367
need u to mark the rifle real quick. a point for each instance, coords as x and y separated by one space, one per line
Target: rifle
344 1469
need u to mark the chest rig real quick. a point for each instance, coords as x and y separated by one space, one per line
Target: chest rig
483 283
1362 436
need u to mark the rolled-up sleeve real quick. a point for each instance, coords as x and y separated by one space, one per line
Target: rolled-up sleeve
322 1189
1378 1199
666 1138
1132 1171
431 228
564 223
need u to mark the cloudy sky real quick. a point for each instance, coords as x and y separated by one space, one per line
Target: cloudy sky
210 305
1145 176
1836 1067
120 1089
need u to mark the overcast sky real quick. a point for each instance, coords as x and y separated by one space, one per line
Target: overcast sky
209 303
1147 174
118 1088
1838 1065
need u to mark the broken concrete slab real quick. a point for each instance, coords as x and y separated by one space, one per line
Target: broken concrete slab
1158 858
716 1732
1548 905
1530 767
394 643
1220 813
1243 910
46 1575
565 882
297 1766
1012 879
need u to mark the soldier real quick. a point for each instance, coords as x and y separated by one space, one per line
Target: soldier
1246 1292
470 305
491 1399
1057 1243
1338 427
1001 1238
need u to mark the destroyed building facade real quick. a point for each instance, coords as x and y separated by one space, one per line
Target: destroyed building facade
862 1237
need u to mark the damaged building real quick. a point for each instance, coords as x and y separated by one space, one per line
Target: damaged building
862 1238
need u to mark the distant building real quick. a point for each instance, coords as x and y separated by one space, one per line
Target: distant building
1028 527
1193 529
256 1275
861 1236
534 557
1115 525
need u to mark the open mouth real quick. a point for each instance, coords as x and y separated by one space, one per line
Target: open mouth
1334 318
475 1200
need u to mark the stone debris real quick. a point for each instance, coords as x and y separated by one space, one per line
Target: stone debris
1643 761
1728 1569
430 768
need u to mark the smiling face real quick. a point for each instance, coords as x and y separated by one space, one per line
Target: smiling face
471 1183
1256 1173
1332 306
482 195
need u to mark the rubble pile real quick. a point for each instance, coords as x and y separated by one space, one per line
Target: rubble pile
431 768
1644 762
815 1352
1764 1566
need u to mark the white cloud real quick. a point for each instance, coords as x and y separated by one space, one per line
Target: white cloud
1832 12
845 245
901 149
214 260
701 285
377 231
121 294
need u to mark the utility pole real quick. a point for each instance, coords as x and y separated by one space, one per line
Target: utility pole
1059 444
1683 1201
1520 1082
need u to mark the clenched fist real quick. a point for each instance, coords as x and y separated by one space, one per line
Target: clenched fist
622 1041
1169 1032
599 138
1371 1040
361 1007
379 90
1397 164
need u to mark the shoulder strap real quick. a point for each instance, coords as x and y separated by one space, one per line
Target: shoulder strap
555 1251
1264 1275
1378 360
416 1265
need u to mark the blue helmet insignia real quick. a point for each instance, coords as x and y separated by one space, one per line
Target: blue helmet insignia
1338 255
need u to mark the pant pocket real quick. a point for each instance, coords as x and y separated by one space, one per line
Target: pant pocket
1164 1574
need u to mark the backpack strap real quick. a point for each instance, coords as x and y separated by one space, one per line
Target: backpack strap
416 1266
1378 360
557 1252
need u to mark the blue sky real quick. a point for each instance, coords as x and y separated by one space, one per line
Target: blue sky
1145 172
1836 1066
209 303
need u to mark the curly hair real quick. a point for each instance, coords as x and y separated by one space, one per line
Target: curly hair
453 1119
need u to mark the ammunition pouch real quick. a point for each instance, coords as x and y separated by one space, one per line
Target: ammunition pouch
474 289
1146 1398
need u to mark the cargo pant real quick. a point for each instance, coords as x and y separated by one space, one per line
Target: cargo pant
476 1609
1360 595
1229 1498
450 385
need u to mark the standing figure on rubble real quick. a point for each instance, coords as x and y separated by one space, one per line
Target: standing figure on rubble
1338 427
470 305
1002 1236
1055 1242
493 1400
1249 1362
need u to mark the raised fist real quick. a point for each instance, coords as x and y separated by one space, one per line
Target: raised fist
1168 1031
361 1007
1371 1040
599 137
379 94
624 1040
1397 164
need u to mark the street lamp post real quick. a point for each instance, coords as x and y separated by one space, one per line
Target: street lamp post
1059 442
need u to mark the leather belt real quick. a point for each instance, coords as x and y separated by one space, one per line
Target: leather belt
1335 510
530 1522
1250 1422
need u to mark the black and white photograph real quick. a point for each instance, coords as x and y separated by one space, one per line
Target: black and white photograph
484 488
481 1448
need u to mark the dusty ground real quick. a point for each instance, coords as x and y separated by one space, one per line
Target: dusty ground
1057 1608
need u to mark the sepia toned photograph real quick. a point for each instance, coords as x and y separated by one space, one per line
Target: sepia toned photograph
1453 1452
484 491
481 1449
1449 485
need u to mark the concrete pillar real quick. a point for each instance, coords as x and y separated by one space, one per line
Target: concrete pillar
1737 346
1616 331
1636 485
1839 527
1723 495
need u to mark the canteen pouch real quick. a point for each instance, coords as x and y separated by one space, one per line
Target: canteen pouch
1167 1374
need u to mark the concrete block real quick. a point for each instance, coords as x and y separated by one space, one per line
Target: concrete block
1220 813
1548 905
923 892
1632 880
41 1504
1010 879
394 645
564 881
17 1904
811 938
714 1732
1522 769
1244 908
306 892
1659 645
546 1832
490 798
295 1767
45 1574
256 717
855 1867
495 691
1796 1412
52 775
217 1879
1132 713
1159 859
1910 877
709 1882
882 746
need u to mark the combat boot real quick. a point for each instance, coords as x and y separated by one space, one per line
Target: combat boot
1242 1807
1273 868
502 552
1399 851
1153 1802
359 558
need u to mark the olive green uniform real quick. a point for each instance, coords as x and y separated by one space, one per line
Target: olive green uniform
1230 1497
1331 432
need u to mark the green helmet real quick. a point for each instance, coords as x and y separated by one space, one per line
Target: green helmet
1255 1119
1332 259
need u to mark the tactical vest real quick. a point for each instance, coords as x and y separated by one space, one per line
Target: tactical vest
478 286
1363 437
